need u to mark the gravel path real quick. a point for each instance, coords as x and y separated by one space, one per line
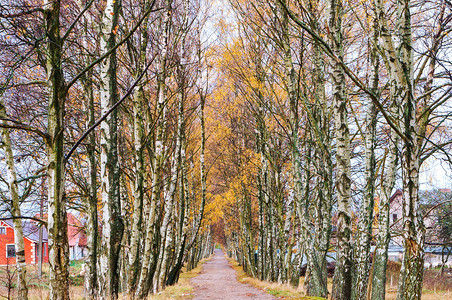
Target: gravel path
218 280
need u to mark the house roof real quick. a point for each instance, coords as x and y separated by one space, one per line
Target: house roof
76 231
394 196
31 230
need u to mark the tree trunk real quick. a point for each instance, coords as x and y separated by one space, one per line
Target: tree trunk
381 252
138 148
137 212
57 218
318 114
364 234
91 205
292 93
15 209
90 265
412 271
344 255
159 155
112 223
383 238
159 279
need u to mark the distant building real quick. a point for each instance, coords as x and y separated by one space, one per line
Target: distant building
395 219
434 245
76 236
31 241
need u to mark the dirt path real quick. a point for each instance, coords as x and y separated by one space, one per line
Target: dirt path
218 280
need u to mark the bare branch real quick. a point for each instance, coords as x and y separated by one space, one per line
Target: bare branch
85 134
22 126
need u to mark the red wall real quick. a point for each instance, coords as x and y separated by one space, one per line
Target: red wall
30 255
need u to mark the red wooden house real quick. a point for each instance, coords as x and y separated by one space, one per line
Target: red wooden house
77 238
31 240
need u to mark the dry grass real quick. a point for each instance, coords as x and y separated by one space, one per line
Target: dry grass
38 288
282 291
76 293
426 295
436 287
182 289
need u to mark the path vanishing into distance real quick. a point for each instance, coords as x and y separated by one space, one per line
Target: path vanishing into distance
218 280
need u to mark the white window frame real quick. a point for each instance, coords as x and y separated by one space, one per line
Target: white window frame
2 230
7 250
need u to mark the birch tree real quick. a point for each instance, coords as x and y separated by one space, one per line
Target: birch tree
112 224
15 208
90 282
139 160
344 257
401 68
57 218
159 154
366 218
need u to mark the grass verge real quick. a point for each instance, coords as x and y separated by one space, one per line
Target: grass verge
282 291
435 286
182 289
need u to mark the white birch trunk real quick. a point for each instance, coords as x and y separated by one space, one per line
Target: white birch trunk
412 271
15 209
381 253
364 234
400 67
159 154
137 214
344 255
57 218
112 224
169 197
166 233
90 265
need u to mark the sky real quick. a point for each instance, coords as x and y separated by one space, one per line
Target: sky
435 174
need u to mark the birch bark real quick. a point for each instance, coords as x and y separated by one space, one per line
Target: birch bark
177 165
184 203
112 223
57 218
294 117
139 148
169 197
412 271
320 126
381 253
342 279
91 211
146 270
364 234
263 195
400 66
378 291
15 209
90 266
